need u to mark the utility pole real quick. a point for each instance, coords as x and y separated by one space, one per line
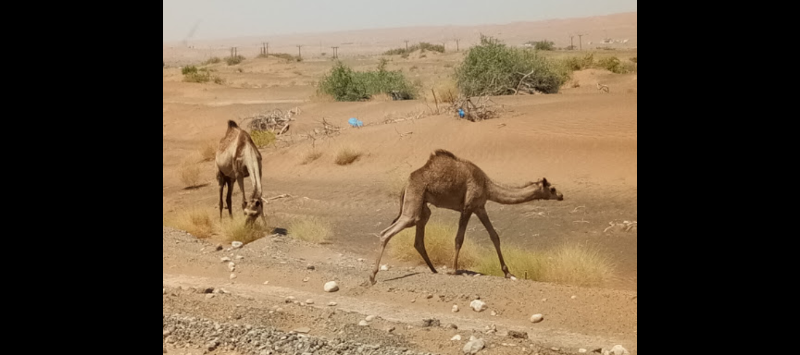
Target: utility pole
335 52
580 41
457 45
298 51
406 45
571 46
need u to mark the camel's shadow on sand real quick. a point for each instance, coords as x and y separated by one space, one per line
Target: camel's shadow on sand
460 273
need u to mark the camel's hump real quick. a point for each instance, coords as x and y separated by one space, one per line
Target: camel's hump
443 153
232 124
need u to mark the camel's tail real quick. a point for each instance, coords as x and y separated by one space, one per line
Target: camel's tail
402 199
232 124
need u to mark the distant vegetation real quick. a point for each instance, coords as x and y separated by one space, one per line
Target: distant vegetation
286 56
492 68
234 59
344 84
192 74
422 47
542 45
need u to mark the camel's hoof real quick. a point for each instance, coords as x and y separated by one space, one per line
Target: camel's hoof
512 277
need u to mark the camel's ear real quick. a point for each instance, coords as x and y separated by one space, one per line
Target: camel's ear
545 183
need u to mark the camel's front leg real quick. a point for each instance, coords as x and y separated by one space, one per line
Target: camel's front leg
240 181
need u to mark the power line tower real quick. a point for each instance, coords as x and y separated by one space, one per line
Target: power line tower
580 41
335 52
406 45
298 50
571 45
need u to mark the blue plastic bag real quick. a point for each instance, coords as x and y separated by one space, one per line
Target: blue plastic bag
460 113
354 122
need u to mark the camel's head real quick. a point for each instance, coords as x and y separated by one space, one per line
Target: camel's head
548 192
253 209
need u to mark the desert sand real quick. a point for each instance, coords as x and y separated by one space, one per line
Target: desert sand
583 140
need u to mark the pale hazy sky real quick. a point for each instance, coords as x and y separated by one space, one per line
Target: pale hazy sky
225 19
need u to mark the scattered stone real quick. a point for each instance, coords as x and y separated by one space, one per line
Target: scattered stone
219 247
384 267
266 282
331 303
302 330
363 323
279 309
231 266
164 290
305 279
544 299
619 350
473 345
493 313
310 267
331 286
451 326
581 350
536 318
225 259
574 297
430 322
239 257
360 259
429 296
289 299
302 303
309 301
456 337
390 329
554 348
478 305
369 318
413 300
210 296
236 244
518 335
455 308
233 276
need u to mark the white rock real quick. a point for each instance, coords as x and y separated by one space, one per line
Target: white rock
239 257
369 318
619 350
494 313
164 291
231 266
266 282
305 279
236 244
289 299
574 297
478 305
360 259
384 267
331 286
456 337
473 345
536 318
233 276
455 308
225 259
363 323
309 301
331 303
582 350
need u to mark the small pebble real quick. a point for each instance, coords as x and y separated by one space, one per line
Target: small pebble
331 303
363 323
233 276
369 318
455 308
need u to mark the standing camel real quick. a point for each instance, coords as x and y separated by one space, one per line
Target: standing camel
457 184
237 158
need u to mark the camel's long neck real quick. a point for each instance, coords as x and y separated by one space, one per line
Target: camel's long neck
254 168
508 195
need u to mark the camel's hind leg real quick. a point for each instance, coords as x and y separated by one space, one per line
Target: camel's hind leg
221 181
495 240
229 199
419 239
462 229
402 223
240 182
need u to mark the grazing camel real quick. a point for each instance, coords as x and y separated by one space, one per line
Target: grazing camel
453 183
237 158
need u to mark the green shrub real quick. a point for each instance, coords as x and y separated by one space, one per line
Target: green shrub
262 138
614 65
492 68
575 63
234 60
543 45
344 84
192 74
213 60
422 47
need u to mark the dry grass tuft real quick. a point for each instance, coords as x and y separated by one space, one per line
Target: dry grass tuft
235 229
311 229
347 155
189 174
310 156
208 151
196 222
569 264
380 97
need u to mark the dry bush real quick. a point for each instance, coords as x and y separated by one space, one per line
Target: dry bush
446 92
311 229
236 230
380 97
208 151
189 173
310 156
347 155
439 244
196 222
569 264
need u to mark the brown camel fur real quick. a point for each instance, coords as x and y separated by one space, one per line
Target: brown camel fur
457 184
237 158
